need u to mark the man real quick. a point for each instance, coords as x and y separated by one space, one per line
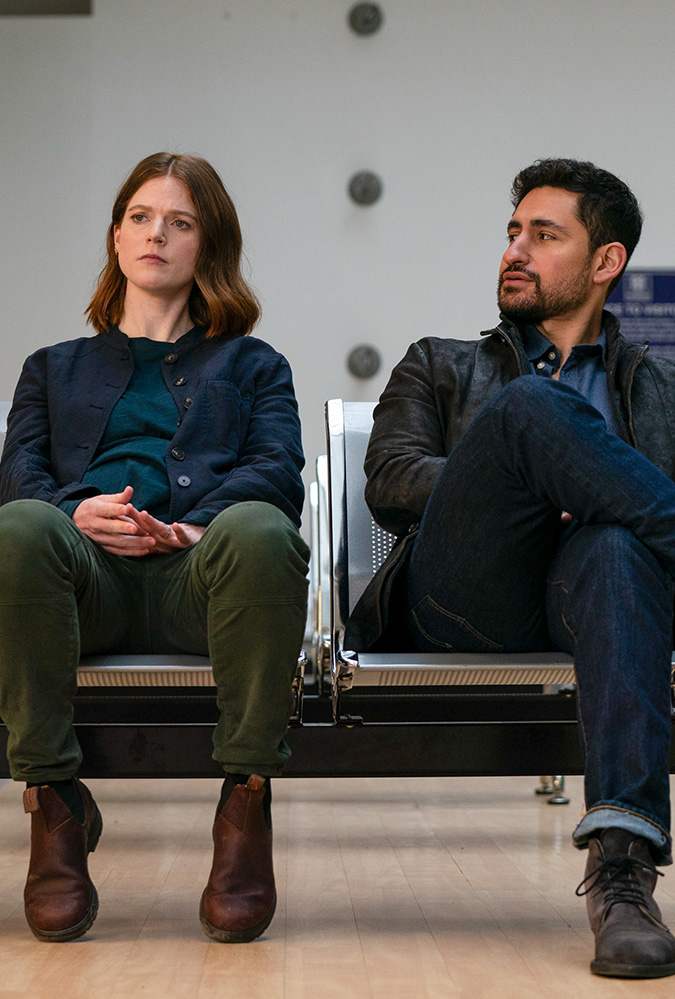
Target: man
546 512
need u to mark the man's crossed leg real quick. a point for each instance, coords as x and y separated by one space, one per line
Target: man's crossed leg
493 569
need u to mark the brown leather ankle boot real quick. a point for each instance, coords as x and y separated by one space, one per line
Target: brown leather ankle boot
631 941
60 899
239 900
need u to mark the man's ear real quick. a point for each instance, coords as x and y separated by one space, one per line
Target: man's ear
609 261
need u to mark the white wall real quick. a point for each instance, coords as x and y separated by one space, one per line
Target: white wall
446 102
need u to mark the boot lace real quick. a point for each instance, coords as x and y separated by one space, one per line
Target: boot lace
614 878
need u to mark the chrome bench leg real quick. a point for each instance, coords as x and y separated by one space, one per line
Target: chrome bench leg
545 785
558 792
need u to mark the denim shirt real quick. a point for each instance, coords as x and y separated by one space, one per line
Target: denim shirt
584 370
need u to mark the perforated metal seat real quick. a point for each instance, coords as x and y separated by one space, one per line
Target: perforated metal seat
358 546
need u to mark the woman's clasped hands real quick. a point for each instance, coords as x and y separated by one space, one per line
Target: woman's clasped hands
113 522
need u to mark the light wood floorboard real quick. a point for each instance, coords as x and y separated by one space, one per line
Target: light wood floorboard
388 889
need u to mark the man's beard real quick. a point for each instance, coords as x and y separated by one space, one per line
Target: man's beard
535 305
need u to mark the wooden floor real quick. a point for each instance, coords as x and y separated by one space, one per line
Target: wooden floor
388 889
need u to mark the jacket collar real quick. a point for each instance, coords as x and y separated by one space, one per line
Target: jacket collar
120 341
507 331
616 344
621 357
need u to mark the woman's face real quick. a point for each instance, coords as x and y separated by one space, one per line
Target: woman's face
158 239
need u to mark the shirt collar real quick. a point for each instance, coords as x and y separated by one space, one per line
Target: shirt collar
536 344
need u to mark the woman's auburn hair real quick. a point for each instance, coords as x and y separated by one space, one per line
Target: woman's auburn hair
220 298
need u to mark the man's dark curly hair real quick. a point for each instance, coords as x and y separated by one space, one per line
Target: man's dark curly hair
607 208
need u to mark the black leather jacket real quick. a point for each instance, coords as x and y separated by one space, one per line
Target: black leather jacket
435 393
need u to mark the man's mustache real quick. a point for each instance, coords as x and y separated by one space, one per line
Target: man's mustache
515 269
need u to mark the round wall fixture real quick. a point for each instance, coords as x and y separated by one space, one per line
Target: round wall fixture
364 361
365 18
365 187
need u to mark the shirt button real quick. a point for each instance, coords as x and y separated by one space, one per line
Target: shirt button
183 480
180 381
188 402
177 453
171 358
540 365
551 355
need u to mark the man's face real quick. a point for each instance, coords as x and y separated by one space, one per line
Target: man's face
546 270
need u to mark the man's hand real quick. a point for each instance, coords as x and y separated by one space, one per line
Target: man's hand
106 519
166 538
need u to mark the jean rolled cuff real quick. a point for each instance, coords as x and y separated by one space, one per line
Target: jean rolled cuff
606 816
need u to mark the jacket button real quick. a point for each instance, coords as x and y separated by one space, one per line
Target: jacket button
183 480
125 357
171 358
177 453
188 402
180 381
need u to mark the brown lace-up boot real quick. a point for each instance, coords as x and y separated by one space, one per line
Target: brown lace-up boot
239 900
631 941
60 899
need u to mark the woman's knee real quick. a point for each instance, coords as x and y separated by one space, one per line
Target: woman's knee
30 522
256 539
32 533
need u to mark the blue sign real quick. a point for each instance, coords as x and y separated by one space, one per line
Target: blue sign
645 303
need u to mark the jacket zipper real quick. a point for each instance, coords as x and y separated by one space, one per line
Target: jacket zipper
396 554
504 335
629 390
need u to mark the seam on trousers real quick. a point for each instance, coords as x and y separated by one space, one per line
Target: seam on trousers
463 622
434 641
576 675
561 584
28 603
259 603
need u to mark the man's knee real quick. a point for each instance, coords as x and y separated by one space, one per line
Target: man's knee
531 396
611 543
610 558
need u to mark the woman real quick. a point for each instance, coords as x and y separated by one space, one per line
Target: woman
152 494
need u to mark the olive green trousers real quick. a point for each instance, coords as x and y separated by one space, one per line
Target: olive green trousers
239 595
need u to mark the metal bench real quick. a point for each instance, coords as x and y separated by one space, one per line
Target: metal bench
358 548
153 716
522 705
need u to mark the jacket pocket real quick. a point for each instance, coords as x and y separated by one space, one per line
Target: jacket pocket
228 414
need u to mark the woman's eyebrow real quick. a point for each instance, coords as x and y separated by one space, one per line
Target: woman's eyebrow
172 211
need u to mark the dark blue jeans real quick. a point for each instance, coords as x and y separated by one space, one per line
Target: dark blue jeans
492 570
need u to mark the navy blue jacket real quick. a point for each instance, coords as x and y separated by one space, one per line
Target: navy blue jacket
237 427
